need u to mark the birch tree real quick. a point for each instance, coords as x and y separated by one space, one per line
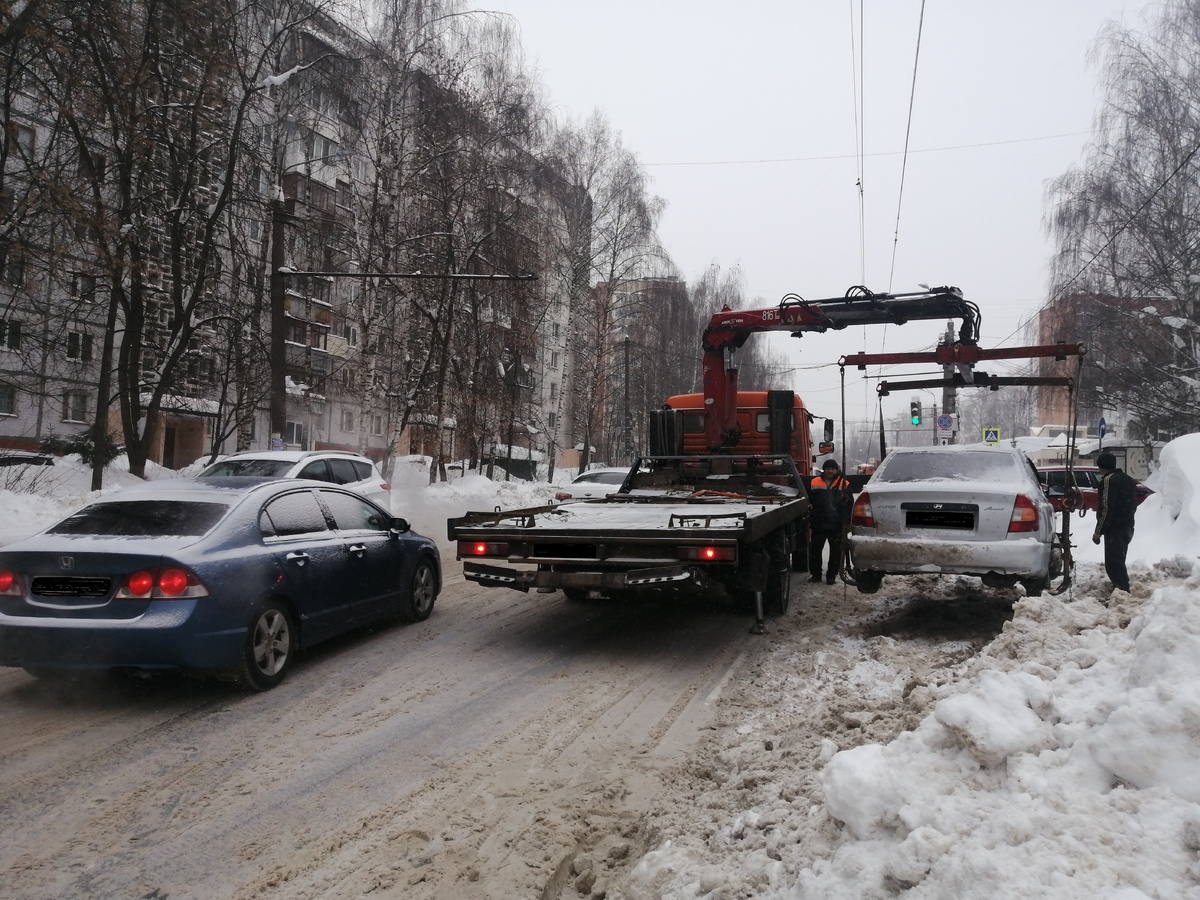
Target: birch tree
1125 225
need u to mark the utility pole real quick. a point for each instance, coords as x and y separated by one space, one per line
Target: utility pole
628 432
278 325
949 398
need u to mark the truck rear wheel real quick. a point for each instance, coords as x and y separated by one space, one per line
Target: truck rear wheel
777 594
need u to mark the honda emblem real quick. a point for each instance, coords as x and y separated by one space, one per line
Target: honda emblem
66 563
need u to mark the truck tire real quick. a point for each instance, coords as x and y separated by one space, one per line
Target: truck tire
777 594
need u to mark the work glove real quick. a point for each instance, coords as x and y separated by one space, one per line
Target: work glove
1095 538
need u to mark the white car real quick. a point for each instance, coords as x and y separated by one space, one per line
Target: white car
594 483
974 509
351 470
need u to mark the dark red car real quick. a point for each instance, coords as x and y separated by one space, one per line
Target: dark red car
1086 479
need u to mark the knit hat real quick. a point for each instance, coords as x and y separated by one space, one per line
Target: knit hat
1106 461
830 464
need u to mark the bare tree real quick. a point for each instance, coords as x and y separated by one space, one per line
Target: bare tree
1124 223
607 222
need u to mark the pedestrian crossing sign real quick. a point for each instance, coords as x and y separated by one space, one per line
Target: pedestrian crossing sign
991 435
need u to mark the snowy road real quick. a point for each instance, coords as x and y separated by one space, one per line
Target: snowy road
511 746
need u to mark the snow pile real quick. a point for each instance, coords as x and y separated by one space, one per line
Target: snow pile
1067 763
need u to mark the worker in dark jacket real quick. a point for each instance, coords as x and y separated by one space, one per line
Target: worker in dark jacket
1117 504
828 516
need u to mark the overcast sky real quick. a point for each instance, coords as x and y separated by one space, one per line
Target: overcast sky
745 118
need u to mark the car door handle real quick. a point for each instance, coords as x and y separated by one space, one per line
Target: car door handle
299 558
360 549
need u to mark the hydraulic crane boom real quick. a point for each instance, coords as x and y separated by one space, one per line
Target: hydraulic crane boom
728 330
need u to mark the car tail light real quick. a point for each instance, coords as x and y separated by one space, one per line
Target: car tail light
862 514
384 486
482 548
139 584
562 495
9 585
169 583
1024 516
708 554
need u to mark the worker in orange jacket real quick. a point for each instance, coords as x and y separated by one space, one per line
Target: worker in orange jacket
828 516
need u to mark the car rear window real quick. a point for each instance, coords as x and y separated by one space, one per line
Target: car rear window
143 518
966 465
264 468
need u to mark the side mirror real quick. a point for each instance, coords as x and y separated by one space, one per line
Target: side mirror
825 447
399 525
828 435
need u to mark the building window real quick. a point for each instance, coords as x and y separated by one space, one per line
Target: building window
554 359
320 148
296 433
75 406
295 332
347 420
376 424
8 400
553 390
83 287
10 334
79 346
93 167
20 141
554 329
552 421
12 265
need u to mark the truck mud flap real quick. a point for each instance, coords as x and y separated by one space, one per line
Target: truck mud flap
494 576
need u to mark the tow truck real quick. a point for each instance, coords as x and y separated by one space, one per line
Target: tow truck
728 512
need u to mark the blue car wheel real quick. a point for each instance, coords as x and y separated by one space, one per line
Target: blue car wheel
419 603
270 646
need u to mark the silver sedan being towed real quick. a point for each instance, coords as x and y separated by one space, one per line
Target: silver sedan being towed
973 509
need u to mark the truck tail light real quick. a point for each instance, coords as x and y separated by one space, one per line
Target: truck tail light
862 514
708 554
1024 516
9 585
482 548
166 583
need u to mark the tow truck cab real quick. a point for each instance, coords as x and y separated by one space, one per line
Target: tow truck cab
769 422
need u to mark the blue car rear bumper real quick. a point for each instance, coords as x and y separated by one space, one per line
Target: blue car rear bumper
168 635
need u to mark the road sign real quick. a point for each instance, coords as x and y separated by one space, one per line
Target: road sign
945 422
1102 427
991 435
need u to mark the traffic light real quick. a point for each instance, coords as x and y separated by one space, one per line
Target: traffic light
914 411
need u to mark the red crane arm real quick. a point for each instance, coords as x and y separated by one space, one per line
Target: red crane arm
729 329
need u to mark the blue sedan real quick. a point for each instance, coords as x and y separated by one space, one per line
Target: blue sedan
226 575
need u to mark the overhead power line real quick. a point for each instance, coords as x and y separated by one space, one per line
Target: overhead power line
912 96
796 159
